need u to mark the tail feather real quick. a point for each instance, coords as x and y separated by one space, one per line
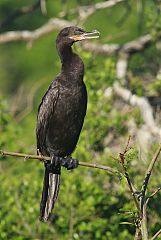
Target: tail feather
49 194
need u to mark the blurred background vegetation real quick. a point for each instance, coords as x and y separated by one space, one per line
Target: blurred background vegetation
92 204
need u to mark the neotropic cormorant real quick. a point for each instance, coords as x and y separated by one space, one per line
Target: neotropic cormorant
61 115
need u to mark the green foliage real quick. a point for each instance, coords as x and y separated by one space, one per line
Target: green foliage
9 131
155 87
153 18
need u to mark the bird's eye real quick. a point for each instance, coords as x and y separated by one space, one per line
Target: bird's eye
78 32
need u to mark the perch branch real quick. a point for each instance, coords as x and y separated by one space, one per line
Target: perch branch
44 158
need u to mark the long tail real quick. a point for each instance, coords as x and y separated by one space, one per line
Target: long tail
50 193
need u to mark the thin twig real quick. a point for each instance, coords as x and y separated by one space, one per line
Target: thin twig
130 185
45 158
143 201
144 220
30 100
43 6
156 235
147 176
122 158
127 145
154 193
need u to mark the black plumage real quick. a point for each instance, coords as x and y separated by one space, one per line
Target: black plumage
61 115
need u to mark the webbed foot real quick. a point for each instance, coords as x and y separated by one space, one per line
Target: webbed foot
69 163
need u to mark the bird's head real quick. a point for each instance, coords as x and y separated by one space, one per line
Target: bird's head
69 35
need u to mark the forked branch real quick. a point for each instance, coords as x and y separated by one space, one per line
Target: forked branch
142 201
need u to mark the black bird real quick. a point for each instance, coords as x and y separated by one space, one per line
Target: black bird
61 115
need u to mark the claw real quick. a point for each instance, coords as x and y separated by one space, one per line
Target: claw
70 163
56 162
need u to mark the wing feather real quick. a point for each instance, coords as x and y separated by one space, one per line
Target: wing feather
45 111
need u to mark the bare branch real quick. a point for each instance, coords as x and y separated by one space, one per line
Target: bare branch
144 219
105 49
127 145
147 176
43 6
31 36
56 23
155 192
44 158
144 228
152 195
141 226
142 197
129 182
128 48
121 66
143 104
156 235
137 44
30 100
85 11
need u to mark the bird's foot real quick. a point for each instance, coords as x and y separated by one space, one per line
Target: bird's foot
69 163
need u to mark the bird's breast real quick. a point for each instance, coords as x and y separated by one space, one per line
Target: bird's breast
67 119
71 103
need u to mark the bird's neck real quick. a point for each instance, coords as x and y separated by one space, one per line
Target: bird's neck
72 65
